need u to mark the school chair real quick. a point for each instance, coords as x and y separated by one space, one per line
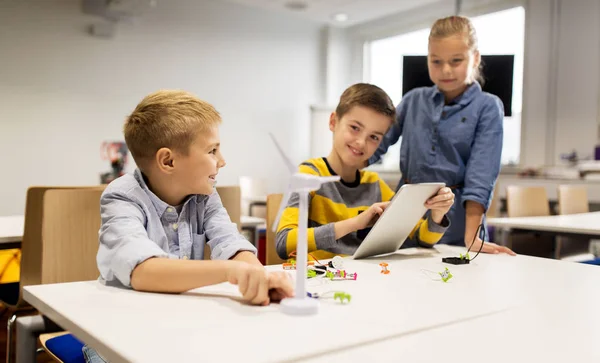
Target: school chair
63 347
528 201
572 199
231 199
493 211
273 203
60 242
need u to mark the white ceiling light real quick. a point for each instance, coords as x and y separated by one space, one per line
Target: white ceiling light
340 17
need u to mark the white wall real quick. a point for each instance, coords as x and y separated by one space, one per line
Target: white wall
63 92
562 78
561 72
578 78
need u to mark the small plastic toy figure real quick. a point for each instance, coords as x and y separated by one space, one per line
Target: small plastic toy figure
342 296
384 268
337 295
446 275
340 275
291 264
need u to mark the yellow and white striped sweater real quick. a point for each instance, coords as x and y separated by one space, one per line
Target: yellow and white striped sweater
336 202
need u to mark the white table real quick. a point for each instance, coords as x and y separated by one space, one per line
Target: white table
582 224
11 229
252 222
497 308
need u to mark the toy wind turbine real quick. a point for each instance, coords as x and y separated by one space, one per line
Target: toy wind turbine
302 184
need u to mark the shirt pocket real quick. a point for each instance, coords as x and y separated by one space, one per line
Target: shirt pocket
462 133
198 243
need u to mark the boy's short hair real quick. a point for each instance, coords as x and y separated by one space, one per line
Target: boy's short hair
167 118
366 95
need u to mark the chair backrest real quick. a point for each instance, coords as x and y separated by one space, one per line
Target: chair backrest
526 201
572 199
231 199
60 228
70 235
273 203
494 208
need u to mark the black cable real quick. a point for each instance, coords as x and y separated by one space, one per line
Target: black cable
480 229
463 260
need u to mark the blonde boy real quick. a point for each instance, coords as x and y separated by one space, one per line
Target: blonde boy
156 221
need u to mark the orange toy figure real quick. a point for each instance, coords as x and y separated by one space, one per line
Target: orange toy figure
384 268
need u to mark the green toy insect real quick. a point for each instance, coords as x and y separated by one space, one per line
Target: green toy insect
342 296
446 275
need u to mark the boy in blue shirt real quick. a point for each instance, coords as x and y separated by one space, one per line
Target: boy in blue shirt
156 221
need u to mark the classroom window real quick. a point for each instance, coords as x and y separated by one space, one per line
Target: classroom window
384 68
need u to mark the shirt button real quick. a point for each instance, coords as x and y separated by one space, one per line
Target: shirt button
433 148
175 226
170 210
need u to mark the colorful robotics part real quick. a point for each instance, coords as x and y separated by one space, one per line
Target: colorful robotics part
341 275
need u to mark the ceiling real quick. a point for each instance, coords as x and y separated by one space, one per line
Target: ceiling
357 11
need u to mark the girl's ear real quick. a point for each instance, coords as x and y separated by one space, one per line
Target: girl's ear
476 59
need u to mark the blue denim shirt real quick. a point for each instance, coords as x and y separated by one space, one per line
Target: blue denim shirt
137 225
459 144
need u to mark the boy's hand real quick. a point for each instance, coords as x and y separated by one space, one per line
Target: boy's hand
370 216
280 286
440 204
252 281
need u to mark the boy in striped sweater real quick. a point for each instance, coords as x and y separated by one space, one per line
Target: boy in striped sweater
341 213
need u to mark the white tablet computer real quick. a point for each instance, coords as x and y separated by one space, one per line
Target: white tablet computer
394 225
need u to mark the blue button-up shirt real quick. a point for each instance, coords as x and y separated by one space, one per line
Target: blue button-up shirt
137 225
459 144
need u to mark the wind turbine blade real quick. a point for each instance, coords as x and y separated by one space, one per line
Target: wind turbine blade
284 202
286 160
328 179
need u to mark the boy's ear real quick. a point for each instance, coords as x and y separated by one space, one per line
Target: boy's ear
165 160
332 121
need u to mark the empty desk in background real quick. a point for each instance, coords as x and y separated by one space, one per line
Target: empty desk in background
11 231
582 224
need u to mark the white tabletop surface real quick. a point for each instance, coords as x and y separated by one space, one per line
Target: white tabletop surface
584 223
11 228
499 307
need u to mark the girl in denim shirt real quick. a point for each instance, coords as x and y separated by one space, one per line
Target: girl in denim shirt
452 132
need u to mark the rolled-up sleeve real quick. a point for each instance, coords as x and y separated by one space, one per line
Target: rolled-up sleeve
124 242
483 165
223 236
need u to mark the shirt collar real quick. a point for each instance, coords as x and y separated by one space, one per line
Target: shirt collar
465 98
160 206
